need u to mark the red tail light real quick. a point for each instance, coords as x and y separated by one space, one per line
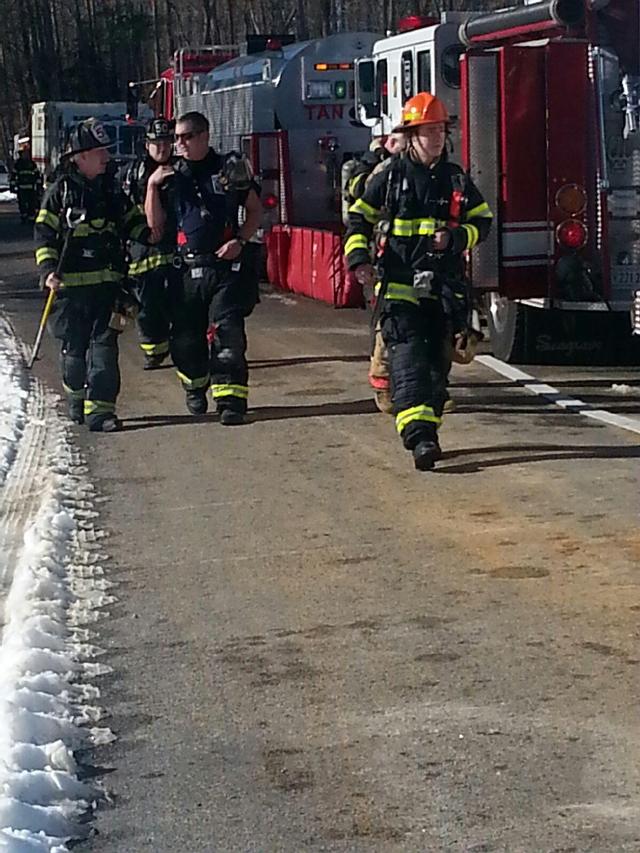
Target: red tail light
270 201
572 234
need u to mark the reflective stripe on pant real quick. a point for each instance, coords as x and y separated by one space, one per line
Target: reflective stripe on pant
213 295
89 354
152 290
414 337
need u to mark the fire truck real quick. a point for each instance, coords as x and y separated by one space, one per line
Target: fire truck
545 99
290 107
187 68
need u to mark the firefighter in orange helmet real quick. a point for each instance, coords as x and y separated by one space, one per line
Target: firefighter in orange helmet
431 213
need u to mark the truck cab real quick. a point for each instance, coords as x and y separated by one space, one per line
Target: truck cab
424 56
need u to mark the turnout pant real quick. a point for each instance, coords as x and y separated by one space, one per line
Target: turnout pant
415 336
213 294
153 290
89 353
27 202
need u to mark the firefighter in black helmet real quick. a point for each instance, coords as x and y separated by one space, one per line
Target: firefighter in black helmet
151 268
432 213
80 235
26 182
218 211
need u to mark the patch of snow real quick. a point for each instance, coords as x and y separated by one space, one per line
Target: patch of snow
285 300
48 707
622 388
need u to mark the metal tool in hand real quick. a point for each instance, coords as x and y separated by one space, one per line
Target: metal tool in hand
74 217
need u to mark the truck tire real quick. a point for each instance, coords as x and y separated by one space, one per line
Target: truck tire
506 321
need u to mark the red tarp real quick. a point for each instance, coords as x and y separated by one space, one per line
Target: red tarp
311 262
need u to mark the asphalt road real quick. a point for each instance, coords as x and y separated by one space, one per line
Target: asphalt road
316 647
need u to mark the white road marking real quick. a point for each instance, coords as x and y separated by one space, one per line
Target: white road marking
553 395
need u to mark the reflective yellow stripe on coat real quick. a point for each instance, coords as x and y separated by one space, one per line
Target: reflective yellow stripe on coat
46 253
397 292
356 241
45 217
371 214
82 279
416 227
153 262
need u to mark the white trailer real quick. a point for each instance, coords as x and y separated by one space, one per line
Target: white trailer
52 122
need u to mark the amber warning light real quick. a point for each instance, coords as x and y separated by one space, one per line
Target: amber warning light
333 66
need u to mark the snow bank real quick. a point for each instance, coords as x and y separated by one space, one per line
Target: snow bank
6 196
13 397
48 709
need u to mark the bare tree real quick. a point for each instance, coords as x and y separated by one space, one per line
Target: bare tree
89 49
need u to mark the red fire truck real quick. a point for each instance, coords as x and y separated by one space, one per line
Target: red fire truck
290 108
187 68
547 102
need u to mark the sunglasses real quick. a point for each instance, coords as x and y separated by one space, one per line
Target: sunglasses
185 137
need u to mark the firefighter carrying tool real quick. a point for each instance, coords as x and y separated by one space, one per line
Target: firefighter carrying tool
423 296
25 182
217 209
80 232
152 272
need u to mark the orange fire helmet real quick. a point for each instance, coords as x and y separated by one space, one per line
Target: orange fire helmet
423 108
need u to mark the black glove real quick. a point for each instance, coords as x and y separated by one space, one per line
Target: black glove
455 302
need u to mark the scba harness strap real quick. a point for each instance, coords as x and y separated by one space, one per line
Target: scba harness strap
232 176
458 202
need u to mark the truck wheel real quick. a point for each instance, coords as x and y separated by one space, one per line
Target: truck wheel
506 321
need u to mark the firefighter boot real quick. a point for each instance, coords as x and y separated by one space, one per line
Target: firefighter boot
426 450
229 417
75 407
153 361
110 423
197 401
426 454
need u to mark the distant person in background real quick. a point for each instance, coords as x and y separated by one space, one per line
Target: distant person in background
26 182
